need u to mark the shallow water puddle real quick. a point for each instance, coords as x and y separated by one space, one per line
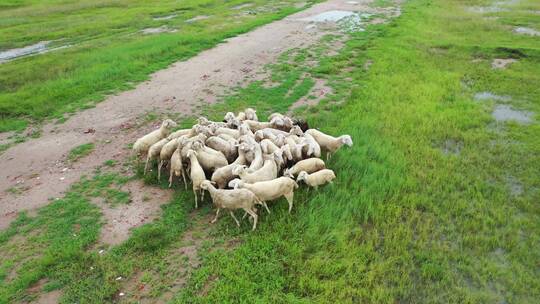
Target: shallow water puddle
526 31
482 96
201 17
158 30
330 16
169 17
506 113
501 63
348 20
34 49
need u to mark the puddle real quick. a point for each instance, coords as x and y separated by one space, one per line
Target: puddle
330 16
526 31
506 113
241 6
483 96
451 146
158 30
34 49
197 18
500 63
485 9
168 17
349 21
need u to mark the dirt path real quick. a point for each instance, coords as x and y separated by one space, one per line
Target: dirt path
39 166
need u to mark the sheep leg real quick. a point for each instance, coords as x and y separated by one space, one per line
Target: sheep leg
289 197
217 214
254 216
171 177
146 165
159 170
202 195
266 207
184 178
234 217
195 192
245 213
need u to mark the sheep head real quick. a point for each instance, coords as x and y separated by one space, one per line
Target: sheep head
259 135
206 185
296 130
251 114
197 145
302 176
288 173
236 183
346 140
239 170
229 116
203 121
168 124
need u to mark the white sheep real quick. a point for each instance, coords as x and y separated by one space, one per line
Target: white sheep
223 146
258 160
209 158
196 174
251 114
233 133
225 174
179 133
256 125
233 200
280 121
166 153
267 172
329 143
309 165
270 190
312 147
142 144
316 179
154 151
177 166
268 146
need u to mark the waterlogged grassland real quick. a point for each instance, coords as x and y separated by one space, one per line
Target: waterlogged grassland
107 52
407 219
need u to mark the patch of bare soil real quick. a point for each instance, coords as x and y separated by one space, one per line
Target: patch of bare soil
39 163
502 63
144 207
43 297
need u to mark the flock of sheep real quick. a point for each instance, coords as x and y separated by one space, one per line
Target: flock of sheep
249 162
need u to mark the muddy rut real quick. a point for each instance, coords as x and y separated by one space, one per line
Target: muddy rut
39 165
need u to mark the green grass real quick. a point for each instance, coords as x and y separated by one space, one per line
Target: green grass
107 52
80 151
403 222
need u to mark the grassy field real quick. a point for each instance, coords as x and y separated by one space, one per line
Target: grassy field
436 202
106 50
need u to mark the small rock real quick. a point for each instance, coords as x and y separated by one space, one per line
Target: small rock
121 294
90 131
101 251
118 279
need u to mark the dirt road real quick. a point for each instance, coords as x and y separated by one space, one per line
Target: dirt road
39 166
